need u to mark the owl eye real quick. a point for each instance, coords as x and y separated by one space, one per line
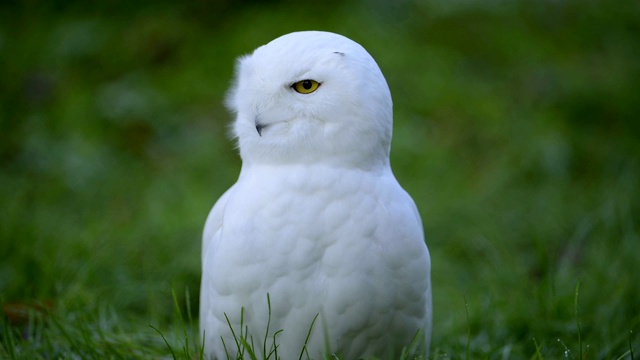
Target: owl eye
306 86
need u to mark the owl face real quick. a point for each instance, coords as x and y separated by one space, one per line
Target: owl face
311 97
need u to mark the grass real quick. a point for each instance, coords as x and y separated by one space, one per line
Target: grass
516 132
244 342
247 348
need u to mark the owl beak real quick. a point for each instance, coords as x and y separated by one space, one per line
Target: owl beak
259 127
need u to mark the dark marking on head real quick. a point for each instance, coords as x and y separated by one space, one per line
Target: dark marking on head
339 53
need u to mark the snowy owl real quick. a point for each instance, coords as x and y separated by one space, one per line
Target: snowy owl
316 250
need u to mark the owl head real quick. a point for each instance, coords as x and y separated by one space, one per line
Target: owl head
311 97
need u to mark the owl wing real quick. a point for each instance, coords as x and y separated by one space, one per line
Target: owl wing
213 225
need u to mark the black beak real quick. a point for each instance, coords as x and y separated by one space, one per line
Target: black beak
259 126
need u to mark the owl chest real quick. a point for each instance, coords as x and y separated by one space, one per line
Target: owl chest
301 226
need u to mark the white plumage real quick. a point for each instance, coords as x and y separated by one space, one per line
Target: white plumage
316 219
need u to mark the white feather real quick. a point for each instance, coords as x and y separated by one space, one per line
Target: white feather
316 219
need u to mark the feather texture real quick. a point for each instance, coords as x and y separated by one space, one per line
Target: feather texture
316 219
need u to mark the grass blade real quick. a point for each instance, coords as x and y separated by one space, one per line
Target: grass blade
578 320
407 351
7 335
538 354
182 324
466 308
173 354
306 340
266 335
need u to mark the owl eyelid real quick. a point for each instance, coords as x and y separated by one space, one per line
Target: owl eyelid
295 82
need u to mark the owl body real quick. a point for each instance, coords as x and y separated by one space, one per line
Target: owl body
316 221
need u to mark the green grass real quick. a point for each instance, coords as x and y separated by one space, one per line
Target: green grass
516 131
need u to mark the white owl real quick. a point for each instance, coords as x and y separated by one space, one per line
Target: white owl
317 220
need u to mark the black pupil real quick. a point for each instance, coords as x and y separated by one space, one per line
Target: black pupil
307 84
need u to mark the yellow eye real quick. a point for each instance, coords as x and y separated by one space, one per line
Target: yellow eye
306 86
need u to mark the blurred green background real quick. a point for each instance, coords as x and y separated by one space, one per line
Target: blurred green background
517 132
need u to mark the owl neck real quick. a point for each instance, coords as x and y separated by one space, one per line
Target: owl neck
365 159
